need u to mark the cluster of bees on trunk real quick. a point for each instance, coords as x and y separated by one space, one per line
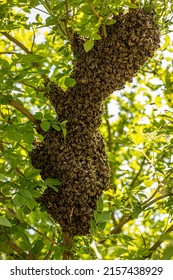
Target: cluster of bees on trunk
80 161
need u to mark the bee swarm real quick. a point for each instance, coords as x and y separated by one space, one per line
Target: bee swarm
79 161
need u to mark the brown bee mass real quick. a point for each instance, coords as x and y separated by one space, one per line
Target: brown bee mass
79 161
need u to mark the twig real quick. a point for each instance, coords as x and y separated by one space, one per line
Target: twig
66 21
92 8
16 169
7 53
159 242
42 234
66 6
156 199
15 41
137 175
13 214
38 9
126 218
25 49
33 40
48 5
153 195
109 142
20 251
25 112
31 86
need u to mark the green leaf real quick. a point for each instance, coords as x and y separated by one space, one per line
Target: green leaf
93 225
49 117
70 82
38 18
102 225
28 137
168 252
30 58
4 222
38 116
54 188
137 138
30 203
20 214
131 5
148 183
13 135
105 216
31 172
25 193
18 200
52 182
100 204
56 126
45 125
64 131
38 245
88 45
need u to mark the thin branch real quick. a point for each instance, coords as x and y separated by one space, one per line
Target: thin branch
153 195
42 234
109 142
138 174
25 112
66 6
7 53
126 218
159 242
20 251
66 21
31 86
156 199
33 40
13 214
16 42
92 8
67 242
47 5
16 169
25 49
38 9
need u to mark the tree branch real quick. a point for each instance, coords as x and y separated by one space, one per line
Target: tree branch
153 195
67 242
7 53
13 214
25 112
159 242
92 8
66 21
25 49
20 251
15 41
16 169
109 142
137 175
126 218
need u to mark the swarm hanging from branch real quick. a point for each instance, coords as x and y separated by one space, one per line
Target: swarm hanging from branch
79 161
